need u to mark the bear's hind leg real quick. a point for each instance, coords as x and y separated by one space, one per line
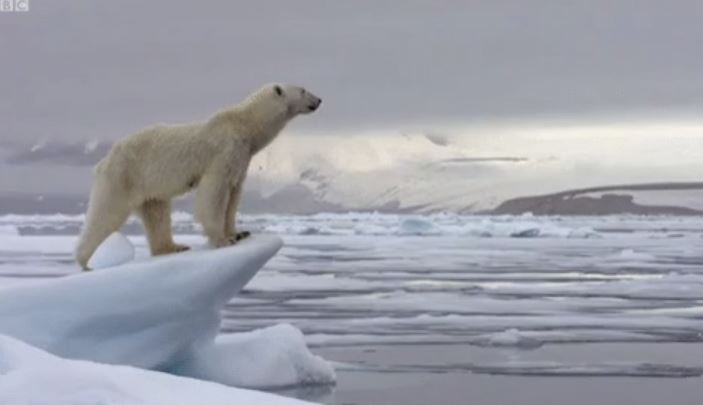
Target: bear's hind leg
156 215
210 207
106 214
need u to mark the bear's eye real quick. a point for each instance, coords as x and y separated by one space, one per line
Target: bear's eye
278 90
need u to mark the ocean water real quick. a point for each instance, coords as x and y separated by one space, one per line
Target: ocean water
448 309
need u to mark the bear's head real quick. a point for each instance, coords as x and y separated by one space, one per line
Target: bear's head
268 109
297 100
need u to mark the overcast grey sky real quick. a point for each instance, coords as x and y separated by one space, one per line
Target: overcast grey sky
97 70
85 69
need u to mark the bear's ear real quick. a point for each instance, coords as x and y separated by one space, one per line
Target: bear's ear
278 90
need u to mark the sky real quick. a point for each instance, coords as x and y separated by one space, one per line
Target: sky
80 70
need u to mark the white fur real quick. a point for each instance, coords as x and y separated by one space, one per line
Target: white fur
143 172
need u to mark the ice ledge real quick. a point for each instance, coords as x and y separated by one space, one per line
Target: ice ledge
155 314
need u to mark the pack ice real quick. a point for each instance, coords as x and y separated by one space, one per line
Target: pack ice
163 314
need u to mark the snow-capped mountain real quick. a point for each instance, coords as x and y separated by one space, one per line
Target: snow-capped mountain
467 172
472 170
407 172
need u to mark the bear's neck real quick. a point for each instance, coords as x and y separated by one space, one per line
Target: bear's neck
262 124
266 130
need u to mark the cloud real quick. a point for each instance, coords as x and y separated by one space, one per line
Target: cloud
80 70
127 64
56 152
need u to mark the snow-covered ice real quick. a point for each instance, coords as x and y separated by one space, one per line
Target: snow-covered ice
30 376
115 250
8 230
445 278
162 313
510 338
272 357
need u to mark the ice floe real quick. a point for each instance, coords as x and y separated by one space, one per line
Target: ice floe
32 376
388 282
162 313
8 230
510 338
272 357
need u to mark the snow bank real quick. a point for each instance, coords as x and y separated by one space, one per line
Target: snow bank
31 376
157 314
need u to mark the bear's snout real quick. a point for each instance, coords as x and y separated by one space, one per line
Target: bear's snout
315 104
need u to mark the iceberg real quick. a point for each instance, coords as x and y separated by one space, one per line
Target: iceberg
23 368
162 314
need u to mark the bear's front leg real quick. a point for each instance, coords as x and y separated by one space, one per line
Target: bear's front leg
211 202
231 215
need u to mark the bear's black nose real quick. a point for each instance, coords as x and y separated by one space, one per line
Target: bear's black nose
313 107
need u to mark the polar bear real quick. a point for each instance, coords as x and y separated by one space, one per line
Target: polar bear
143 172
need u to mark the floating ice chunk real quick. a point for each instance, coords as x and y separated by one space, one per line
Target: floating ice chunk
547 230
511 338
526 233
9 230
155 314
273 357
310 231
417 226
631 255
23 368
115 250
584 232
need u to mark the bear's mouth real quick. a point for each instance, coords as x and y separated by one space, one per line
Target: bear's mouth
312 107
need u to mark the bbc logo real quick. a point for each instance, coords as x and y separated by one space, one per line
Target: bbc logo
16 6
